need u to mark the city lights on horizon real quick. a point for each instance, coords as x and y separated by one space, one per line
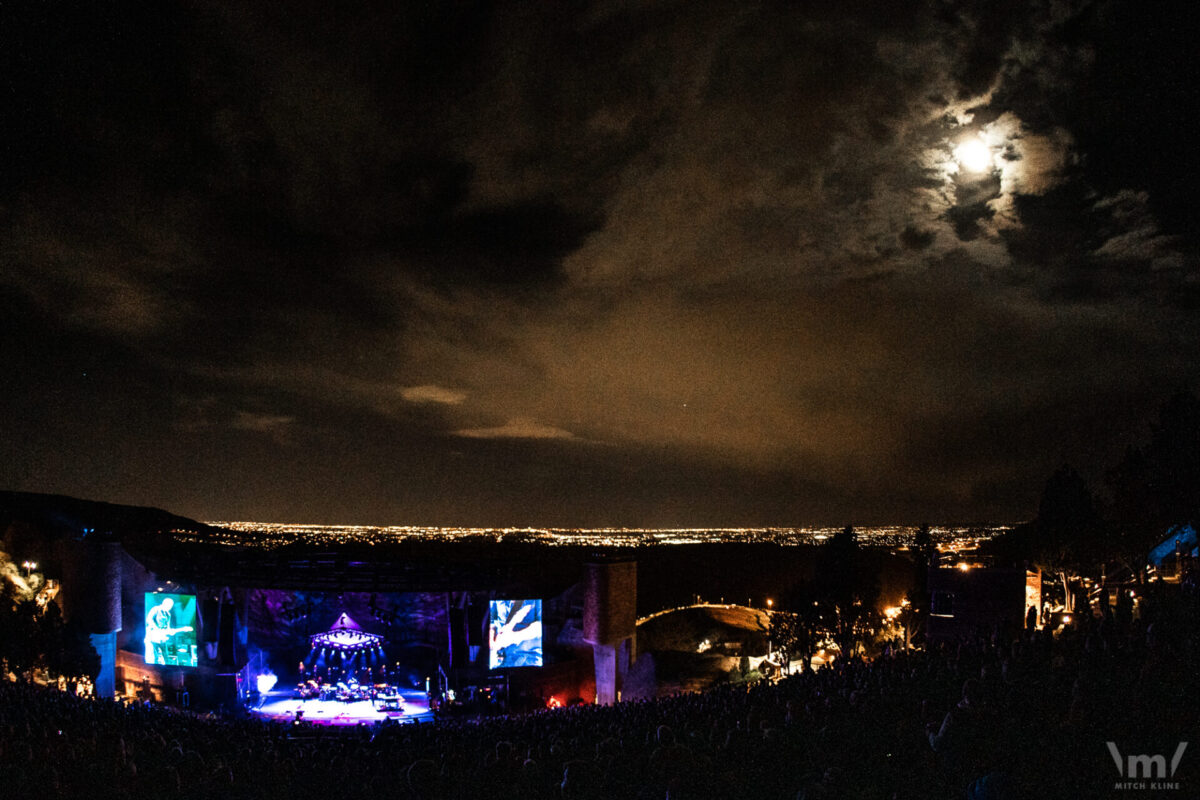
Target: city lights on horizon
266 535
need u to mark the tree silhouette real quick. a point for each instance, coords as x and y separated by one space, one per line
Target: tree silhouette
793 629
1067 527
8 624
36 637
52 653
80 659
1157 485
24 648
923 555
844 581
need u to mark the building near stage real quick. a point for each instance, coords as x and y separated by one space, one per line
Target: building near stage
968 598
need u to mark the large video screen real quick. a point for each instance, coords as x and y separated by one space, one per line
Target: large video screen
514 633
171 629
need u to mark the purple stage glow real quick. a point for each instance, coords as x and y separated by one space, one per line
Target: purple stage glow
346 636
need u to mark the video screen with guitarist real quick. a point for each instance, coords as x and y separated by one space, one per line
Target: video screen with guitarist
514 633
171 629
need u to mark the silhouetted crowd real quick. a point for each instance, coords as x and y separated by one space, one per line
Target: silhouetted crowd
1008 714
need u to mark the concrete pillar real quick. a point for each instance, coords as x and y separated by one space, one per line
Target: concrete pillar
106 647
91 584
605 658
91 595
610 623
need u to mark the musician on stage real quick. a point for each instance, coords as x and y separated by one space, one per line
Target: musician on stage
160 634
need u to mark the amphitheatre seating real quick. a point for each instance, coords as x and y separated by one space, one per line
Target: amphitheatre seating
858 729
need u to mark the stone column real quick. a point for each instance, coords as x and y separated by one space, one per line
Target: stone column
91 593
610 622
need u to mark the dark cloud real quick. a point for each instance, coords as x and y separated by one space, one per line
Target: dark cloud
915 239
972 199
640 263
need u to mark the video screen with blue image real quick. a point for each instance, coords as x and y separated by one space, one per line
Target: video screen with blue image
514 633
171 623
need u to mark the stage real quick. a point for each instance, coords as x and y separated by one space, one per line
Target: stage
282 705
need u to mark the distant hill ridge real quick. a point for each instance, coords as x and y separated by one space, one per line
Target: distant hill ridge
75 517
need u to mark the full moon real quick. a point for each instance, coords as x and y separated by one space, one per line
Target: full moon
974 155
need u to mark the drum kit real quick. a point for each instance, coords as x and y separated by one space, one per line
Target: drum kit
349 692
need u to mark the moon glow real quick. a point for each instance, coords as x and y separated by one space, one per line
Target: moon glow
974 155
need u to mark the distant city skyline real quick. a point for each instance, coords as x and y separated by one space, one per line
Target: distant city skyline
269 535
606 264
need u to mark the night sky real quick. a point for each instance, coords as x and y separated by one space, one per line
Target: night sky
572 263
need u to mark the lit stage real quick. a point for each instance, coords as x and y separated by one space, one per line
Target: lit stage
283 705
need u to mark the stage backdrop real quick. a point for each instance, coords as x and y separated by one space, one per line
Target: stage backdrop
412 626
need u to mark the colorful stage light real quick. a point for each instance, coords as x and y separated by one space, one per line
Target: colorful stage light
266 682
346 637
